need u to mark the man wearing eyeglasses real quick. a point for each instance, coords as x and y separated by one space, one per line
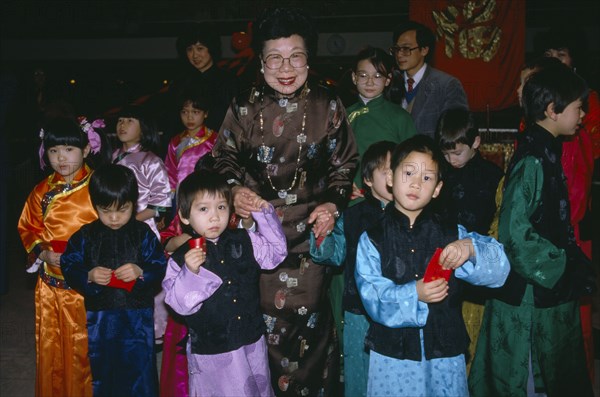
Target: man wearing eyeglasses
424 92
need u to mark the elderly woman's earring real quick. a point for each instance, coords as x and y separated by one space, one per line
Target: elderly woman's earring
307 67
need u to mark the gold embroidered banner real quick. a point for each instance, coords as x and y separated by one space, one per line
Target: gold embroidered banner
481 42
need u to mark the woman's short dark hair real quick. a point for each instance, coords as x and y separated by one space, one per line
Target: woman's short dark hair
456 126
199 33
558 85
113 184
204 181
375 157
276 23
569 38
419 144
381 60
149 139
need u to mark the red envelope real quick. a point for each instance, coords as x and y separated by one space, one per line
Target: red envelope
199 242
58 246
319 240
434 270
117 283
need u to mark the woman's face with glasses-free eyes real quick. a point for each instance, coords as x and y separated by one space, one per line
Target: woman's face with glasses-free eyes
289 53
369 82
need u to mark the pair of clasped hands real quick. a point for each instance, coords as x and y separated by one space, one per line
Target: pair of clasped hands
454 255
246 201
127 273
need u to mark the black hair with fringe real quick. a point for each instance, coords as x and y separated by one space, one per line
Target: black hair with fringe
149 139
456 126
557 85
419 144
206 182
113 184
375 157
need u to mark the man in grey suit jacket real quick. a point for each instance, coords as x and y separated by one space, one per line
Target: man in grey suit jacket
424 92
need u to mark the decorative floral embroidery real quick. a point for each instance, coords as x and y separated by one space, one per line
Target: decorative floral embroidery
313 151
270 322
332 145
312 320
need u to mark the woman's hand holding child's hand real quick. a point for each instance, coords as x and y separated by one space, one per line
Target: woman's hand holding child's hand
194 258
323 219
128 272
100 275
246 201
457 253
433 291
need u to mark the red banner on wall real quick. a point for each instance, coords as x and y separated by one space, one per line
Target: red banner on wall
481 42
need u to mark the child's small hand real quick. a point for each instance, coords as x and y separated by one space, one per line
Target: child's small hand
244 201
50 257
356 192
194 258
457 253
100 275
260 203
128 272
433 291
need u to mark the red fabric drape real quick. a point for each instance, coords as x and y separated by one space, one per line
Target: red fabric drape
481 42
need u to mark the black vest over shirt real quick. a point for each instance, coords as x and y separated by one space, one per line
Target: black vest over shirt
231 317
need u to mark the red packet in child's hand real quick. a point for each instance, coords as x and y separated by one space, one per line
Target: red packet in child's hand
58 246
435 270
117 283
319 240
199 242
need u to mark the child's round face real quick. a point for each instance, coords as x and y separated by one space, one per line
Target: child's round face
115 217
67 160
129 131
192 118
378 183
568 121
209 215
461 154
414 183
369 82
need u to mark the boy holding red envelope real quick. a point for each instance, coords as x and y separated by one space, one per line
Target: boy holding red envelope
117 264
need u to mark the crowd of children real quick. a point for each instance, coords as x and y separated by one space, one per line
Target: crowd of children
429 302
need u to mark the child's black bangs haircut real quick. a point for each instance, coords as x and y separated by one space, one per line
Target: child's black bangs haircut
419 144
381 60
206 182
113 184
456 126
149 139
558 85
64 131
375 157
194 95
